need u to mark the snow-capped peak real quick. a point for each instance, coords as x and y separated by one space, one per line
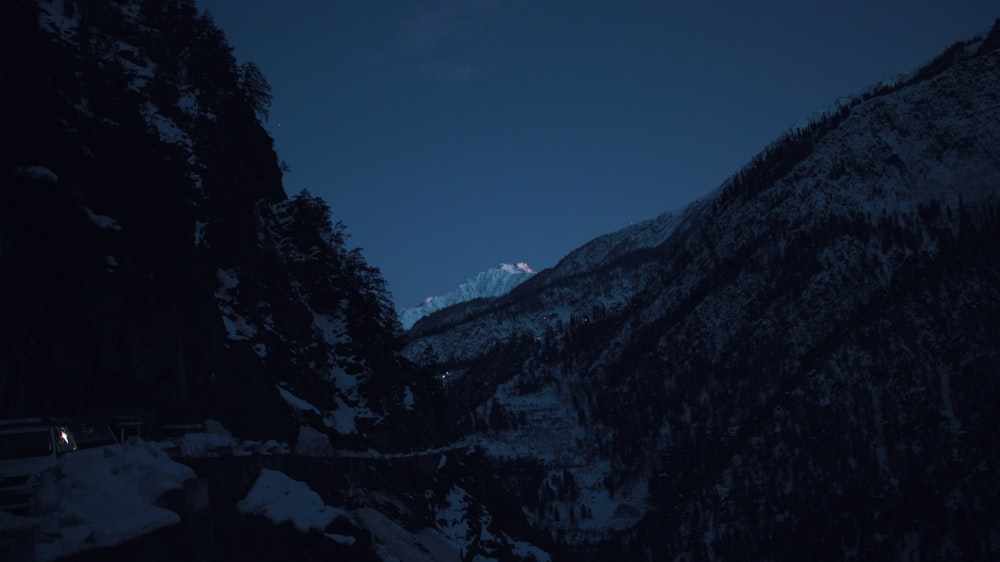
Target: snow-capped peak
493 282
519 267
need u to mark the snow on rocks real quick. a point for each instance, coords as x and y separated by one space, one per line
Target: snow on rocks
296 402
237 327
103 222
214 440
281 499
38 173
394 542
341 419
104 497
52 18
313 443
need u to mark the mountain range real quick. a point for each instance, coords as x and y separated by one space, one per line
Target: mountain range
807 354
800 365
487 284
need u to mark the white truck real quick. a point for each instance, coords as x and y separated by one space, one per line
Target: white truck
29 447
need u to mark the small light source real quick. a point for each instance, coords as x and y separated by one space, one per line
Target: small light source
64 437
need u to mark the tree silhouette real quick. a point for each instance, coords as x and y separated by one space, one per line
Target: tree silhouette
255 89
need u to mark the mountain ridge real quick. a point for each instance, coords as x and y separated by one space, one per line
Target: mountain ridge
688 377
492 283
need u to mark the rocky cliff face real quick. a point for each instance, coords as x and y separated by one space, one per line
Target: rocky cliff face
151 261
800 365
152 264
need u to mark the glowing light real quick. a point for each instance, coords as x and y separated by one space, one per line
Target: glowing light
64 436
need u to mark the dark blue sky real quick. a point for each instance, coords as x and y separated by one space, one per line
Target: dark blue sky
452 135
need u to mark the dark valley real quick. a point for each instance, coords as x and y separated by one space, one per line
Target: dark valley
800 365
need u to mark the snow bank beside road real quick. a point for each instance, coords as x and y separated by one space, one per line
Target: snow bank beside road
104 497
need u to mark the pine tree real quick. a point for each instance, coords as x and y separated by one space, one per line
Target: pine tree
255 89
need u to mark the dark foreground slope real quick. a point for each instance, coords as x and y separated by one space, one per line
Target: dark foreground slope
150 261
802 365
151 264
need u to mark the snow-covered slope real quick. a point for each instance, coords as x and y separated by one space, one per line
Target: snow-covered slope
883 152
491 283
818 332
603 249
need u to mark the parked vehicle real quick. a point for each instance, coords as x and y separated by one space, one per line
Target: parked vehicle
29 448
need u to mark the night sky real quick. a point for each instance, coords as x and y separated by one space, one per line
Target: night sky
452 135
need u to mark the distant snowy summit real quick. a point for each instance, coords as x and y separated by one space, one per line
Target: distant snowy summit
490 283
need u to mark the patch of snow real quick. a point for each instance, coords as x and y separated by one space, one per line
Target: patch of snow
196 180
214 440
332 330
452 520
168 131
237 327
105 496
344 380
345 540
341 419
525 549
296 402
52 19
38 173
103 222
280 498
228 280
394 542
188 102
312 443
217 441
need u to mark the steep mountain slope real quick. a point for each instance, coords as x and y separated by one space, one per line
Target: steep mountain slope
152 264
800 365
151 260
487 284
